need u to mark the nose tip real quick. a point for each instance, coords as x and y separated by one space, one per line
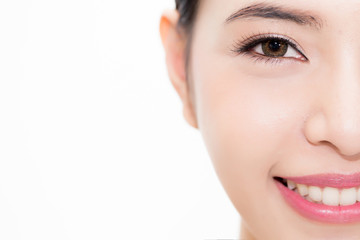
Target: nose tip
338 131
334 117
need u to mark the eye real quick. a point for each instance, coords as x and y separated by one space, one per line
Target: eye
269 47
277 48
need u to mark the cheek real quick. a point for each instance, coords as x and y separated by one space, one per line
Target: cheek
248 125
242 129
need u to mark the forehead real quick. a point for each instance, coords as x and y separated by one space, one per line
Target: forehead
217 11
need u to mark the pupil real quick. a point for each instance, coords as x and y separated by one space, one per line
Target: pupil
274 46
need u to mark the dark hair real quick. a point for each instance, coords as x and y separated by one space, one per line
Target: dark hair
187 10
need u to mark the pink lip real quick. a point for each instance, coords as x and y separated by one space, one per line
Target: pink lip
329 180
320 212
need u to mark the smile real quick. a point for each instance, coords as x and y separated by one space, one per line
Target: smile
327 197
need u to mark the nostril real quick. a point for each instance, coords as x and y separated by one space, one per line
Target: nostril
330 145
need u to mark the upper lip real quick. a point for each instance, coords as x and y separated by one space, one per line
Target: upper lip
328 180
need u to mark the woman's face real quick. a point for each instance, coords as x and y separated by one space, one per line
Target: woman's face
275 89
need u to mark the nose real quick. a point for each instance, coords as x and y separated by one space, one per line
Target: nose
336 121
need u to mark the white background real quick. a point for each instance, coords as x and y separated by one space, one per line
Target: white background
93 144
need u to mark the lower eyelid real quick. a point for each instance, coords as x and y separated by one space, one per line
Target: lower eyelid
270 61
266 60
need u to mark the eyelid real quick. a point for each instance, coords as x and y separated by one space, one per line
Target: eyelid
247 44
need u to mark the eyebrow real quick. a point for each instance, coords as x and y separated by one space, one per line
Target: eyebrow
262 10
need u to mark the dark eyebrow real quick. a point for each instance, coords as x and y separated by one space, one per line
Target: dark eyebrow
263 10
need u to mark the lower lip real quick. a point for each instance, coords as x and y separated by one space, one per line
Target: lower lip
320 212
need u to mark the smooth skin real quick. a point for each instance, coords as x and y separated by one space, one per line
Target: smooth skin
261 119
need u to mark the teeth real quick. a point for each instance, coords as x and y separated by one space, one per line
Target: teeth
309 199
303 189
291 185
328 195
315 193
348 196
331 196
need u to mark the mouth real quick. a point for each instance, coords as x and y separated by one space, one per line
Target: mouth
331 198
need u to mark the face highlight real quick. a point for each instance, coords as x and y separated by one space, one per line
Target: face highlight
276 85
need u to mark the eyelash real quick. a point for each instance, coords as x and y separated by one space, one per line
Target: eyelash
245 46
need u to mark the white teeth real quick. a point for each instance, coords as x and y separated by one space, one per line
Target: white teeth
291 185
328 195
331 196
308 198
315 193
348 196
303 189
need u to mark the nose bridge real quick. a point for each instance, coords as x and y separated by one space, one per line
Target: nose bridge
342 105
